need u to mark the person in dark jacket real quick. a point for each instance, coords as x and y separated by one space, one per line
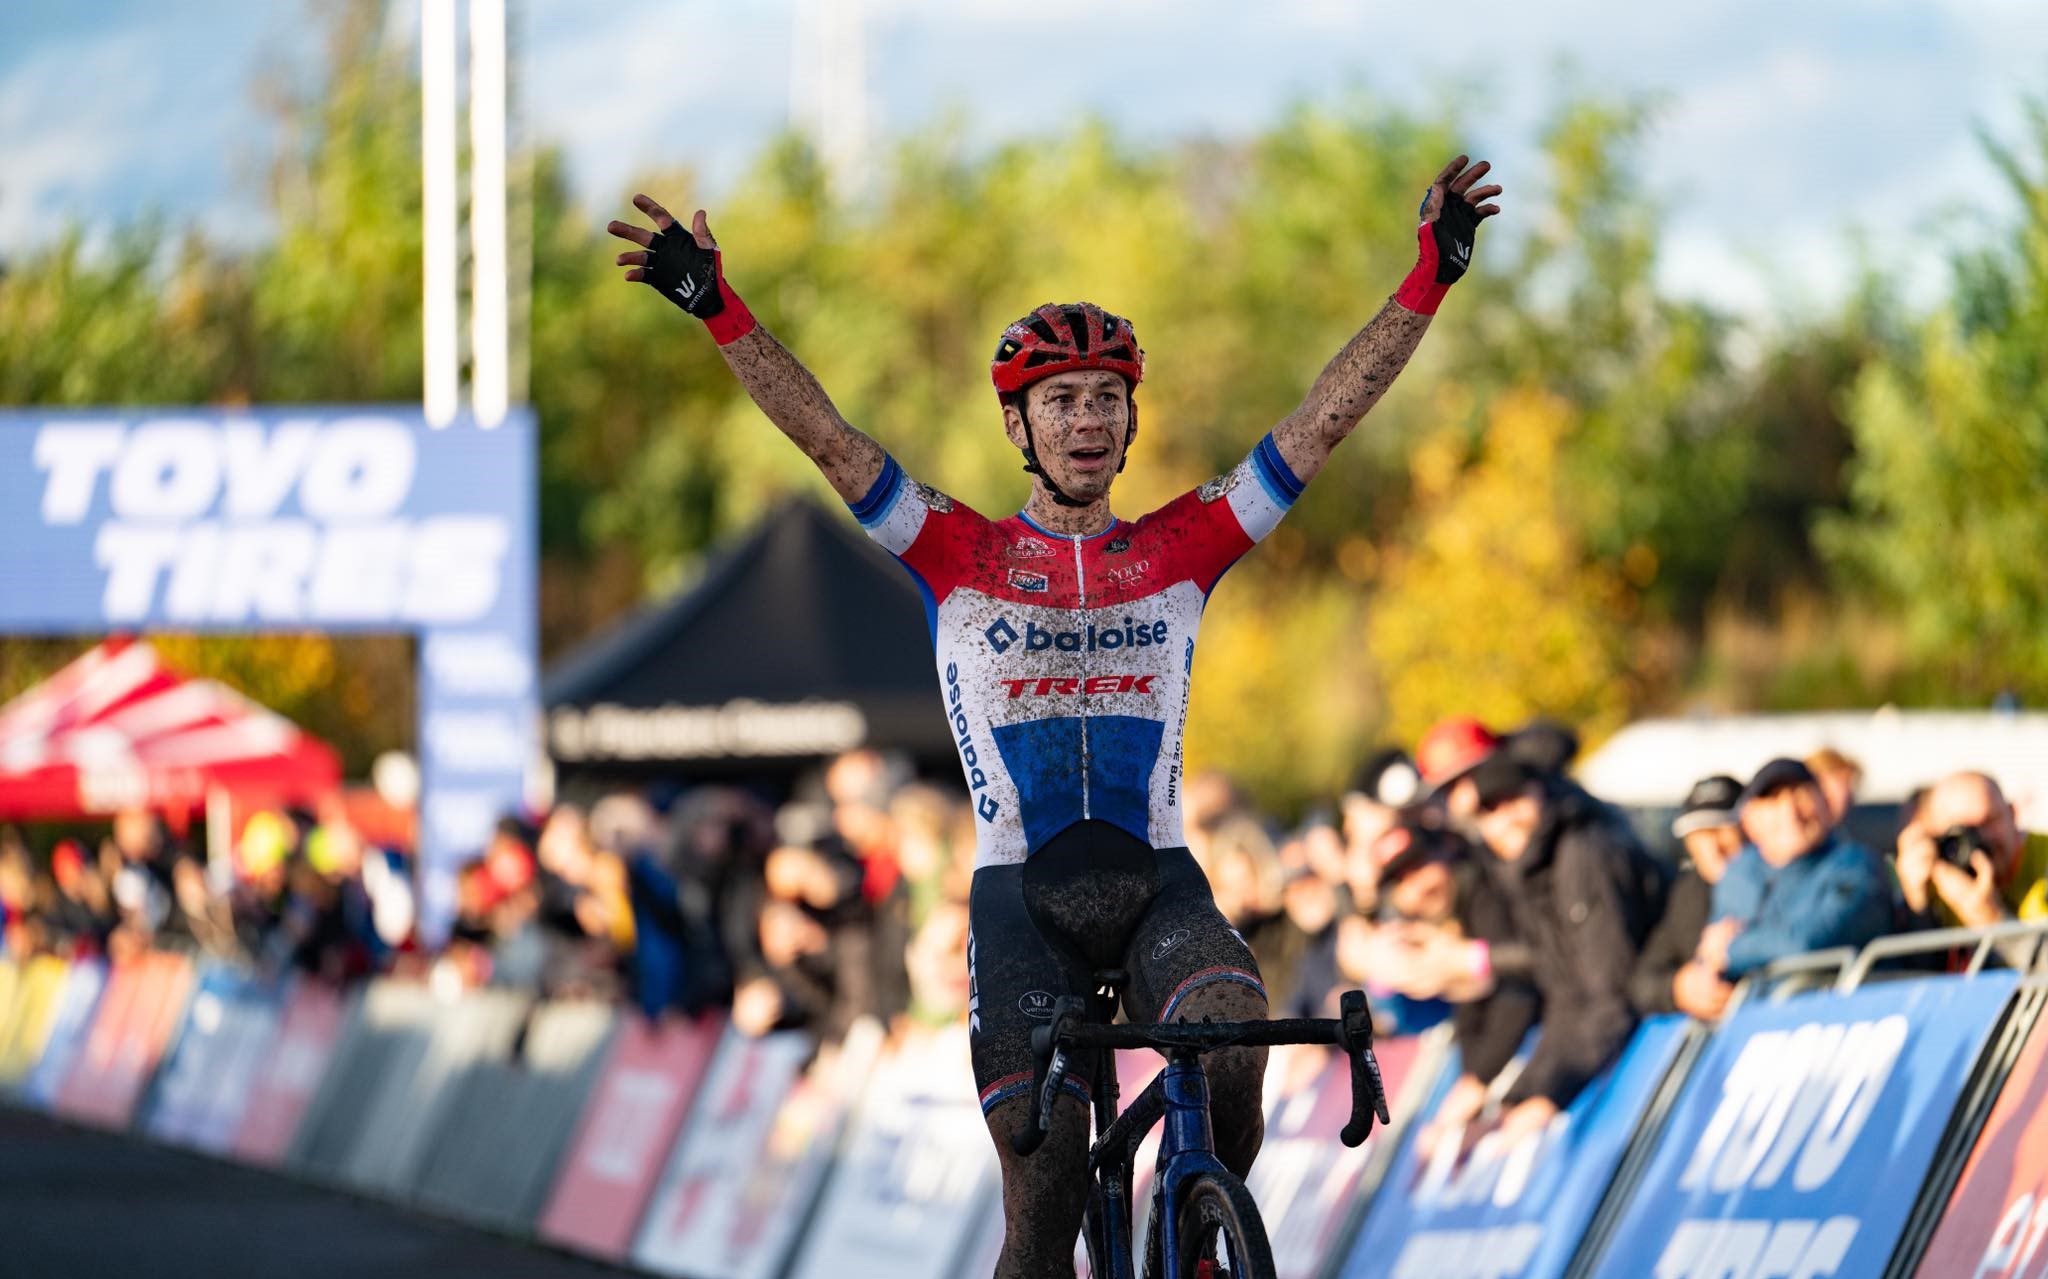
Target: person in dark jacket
1799 886
1669 976
1582 895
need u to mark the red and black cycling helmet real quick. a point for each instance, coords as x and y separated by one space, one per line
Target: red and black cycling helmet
1060 338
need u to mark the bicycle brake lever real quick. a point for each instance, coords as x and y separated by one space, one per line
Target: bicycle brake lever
1049 1072
1368 1086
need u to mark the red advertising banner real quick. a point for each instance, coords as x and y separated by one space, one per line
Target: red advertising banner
629 1125
1997 1219
142 1006
283 1085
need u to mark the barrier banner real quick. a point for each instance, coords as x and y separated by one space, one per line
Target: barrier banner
1480 1207
484 1169
286 1077
68 1026
143 1004
31 1013
1306 1180
916 1175
1997 1218
1801 1139
205 1082
629 1124
755 1148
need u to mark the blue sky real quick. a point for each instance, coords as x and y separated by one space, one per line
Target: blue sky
1783 125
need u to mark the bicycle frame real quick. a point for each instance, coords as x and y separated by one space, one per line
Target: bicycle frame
1186 1150
1178 1097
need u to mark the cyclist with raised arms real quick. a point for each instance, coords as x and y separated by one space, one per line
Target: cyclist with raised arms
1064 639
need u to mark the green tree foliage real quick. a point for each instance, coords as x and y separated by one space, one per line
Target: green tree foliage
1948 521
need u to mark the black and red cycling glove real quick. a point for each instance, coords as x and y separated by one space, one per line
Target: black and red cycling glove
1445 251
694 279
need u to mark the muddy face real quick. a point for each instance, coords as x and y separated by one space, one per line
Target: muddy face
1080 424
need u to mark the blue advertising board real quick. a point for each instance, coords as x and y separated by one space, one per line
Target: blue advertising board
1489 1209
1801 1139
316 518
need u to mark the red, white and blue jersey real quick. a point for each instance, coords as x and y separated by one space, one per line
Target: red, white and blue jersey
1064 660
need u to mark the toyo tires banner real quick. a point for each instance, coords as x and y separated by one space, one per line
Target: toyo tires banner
344 518
1801 1140
1479 1207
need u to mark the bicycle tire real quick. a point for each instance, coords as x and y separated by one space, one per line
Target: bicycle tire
1216 1205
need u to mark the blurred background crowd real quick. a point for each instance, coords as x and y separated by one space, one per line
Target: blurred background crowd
1470 880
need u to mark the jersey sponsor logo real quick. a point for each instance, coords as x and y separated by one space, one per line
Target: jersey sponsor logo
984 805
1002 636
1170 943
1126 574
1035 1003
1118 545
1028 581
1029 548
1092 686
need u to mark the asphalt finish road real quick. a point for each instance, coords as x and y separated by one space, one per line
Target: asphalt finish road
78 1204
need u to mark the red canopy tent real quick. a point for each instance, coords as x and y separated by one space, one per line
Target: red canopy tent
117 729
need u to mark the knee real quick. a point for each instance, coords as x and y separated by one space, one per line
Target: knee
1237 1076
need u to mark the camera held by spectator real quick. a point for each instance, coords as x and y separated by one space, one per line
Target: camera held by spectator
1963 858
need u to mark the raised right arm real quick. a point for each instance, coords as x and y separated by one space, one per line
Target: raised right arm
686 269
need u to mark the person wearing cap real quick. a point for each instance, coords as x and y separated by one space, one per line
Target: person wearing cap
1444 936
1799 885
1669 976
1455 746
1388 783
1582 895
1446 756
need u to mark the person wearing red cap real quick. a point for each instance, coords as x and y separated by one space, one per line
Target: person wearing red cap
1064 644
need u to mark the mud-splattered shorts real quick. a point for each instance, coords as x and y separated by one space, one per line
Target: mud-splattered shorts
1093 897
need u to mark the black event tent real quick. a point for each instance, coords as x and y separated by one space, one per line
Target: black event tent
802 639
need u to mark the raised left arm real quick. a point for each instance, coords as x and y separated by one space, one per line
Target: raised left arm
1353 382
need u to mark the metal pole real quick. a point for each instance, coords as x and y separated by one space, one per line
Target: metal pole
489 337
441 380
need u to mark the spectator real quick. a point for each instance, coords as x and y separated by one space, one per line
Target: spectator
1669 976
1962 859
860 784
1446 756
82 910
1582 896
816 967
1799 885
1245 878
21 932
1387 783
1446 938
1839 777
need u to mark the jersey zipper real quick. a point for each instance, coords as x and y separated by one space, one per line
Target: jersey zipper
1081 624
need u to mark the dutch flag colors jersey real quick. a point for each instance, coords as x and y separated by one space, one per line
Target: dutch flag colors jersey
1064 660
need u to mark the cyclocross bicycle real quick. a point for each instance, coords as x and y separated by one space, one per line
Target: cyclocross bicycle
1198 1207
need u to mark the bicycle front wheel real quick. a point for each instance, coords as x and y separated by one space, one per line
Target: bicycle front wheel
1219 1222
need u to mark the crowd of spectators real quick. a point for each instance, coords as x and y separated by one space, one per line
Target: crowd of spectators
1471 881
